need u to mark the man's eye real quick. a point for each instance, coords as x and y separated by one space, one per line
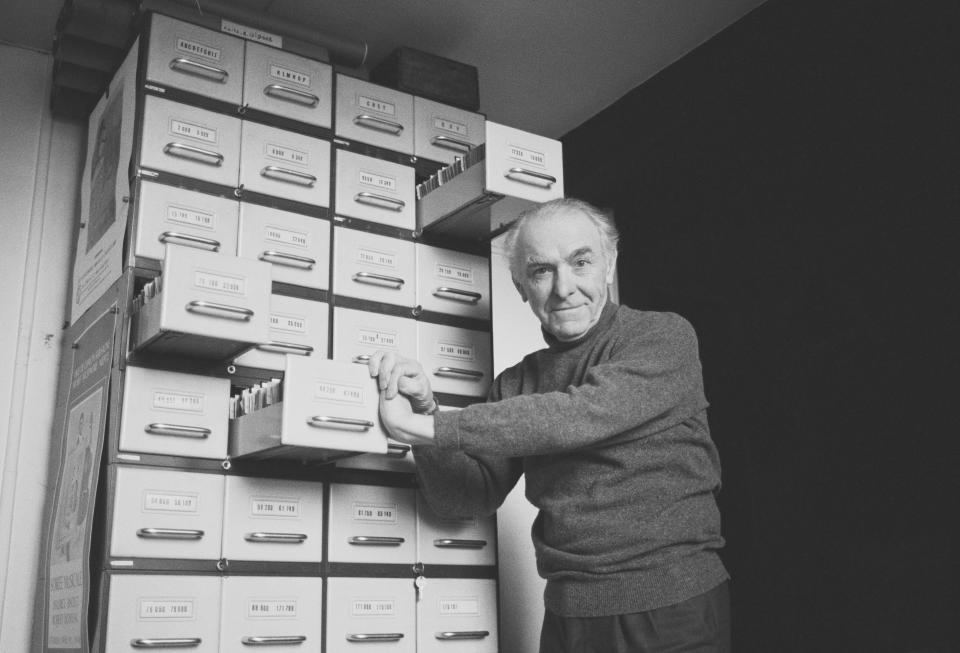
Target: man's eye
540 272
582 262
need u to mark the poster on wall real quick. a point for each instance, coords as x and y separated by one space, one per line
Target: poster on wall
70 529
105 190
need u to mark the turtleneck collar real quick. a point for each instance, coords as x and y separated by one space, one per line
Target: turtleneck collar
606 317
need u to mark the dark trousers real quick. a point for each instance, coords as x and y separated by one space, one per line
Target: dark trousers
698 625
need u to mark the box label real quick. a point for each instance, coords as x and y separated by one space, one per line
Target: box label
166 609
184 402
459 606
154 501
526 155
220 283
377 338
373 607
274 234
380 513
286 154
193 130
267 507
289 75
272 608
456 350
380 182
251 34
327 391
201 50
451 126
191 217
288 323
454 273
376 257
373 104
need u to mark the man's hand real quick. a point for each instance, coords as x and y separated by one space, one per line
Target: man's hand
403 424
405 376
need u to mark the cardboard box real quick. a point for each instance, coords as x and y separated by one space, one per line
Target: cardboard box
427 75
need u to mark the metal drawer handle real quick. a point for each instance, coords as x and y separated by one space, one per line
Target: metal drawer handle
290 260
452 143
197 154
170 534
397 450
348 423
378 279
197 69
459 544
379 201
372 122
286 175
463 634
276 640
178 430
373 540
290 94
445 292
167 642
538 178
286 348
363 359
374 637
190 240
276 538
220 310
457 372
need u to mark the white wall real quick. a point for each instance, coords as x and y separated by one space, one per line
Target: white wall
516 333
39 175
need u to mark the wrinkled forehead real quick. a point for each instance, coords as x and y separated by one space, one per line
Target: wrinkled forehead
559 231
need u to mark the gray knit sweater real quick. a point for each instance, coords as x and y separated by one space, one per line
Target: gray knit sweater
611 433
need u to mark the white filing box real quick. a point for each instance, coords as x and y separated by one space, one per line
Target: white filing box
195 59
443 133
173 413
297 246
457 361
271 613
298 327
458 615
329 408
273 519
288 85
209 306
373 114
371 613
453 282
518 171
454 541
162 612
190 142
285 164
373 267
160 513
372 524
358 334
376 190
167 214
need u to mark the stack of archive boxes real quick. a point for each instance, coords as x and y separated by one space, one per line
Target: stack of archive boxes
252 497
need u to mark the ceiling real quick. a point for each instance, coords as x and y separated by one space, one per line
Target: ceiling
545 66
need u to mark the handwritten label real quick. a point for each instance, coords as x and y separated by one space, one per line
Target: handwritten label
251 34
272 608
168 502
373 104
220 283
276 234
289 323
199 49
289 75
455 350
376 257
191 217
376 338
380 182
286 154
327 391
451 126
456 606
373 607
454 273
380 513
267 507
193 130
527 155
185 402
166 609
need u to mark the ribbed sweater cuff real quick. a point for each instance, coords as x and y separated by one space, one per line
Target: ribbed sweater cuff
446 429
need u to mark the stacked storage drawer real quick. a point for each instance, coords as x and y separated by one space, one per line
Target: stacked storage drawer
274 246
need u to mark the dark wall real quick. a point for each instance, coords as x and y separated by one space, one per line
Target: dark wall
792 187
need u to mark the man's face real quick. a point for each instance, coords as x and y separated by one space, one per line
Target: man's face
564 272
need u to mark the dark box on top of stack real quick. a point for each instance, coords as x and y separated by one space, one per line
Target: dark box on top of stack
429 76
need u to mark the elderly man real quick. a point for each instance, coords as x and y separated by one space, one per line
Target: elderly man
609 425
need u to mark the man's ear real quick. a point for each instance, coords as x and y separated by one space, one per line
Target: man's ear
612 269
519 287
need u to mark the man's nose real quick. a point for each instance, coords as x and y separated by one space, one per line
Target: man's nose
564 284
